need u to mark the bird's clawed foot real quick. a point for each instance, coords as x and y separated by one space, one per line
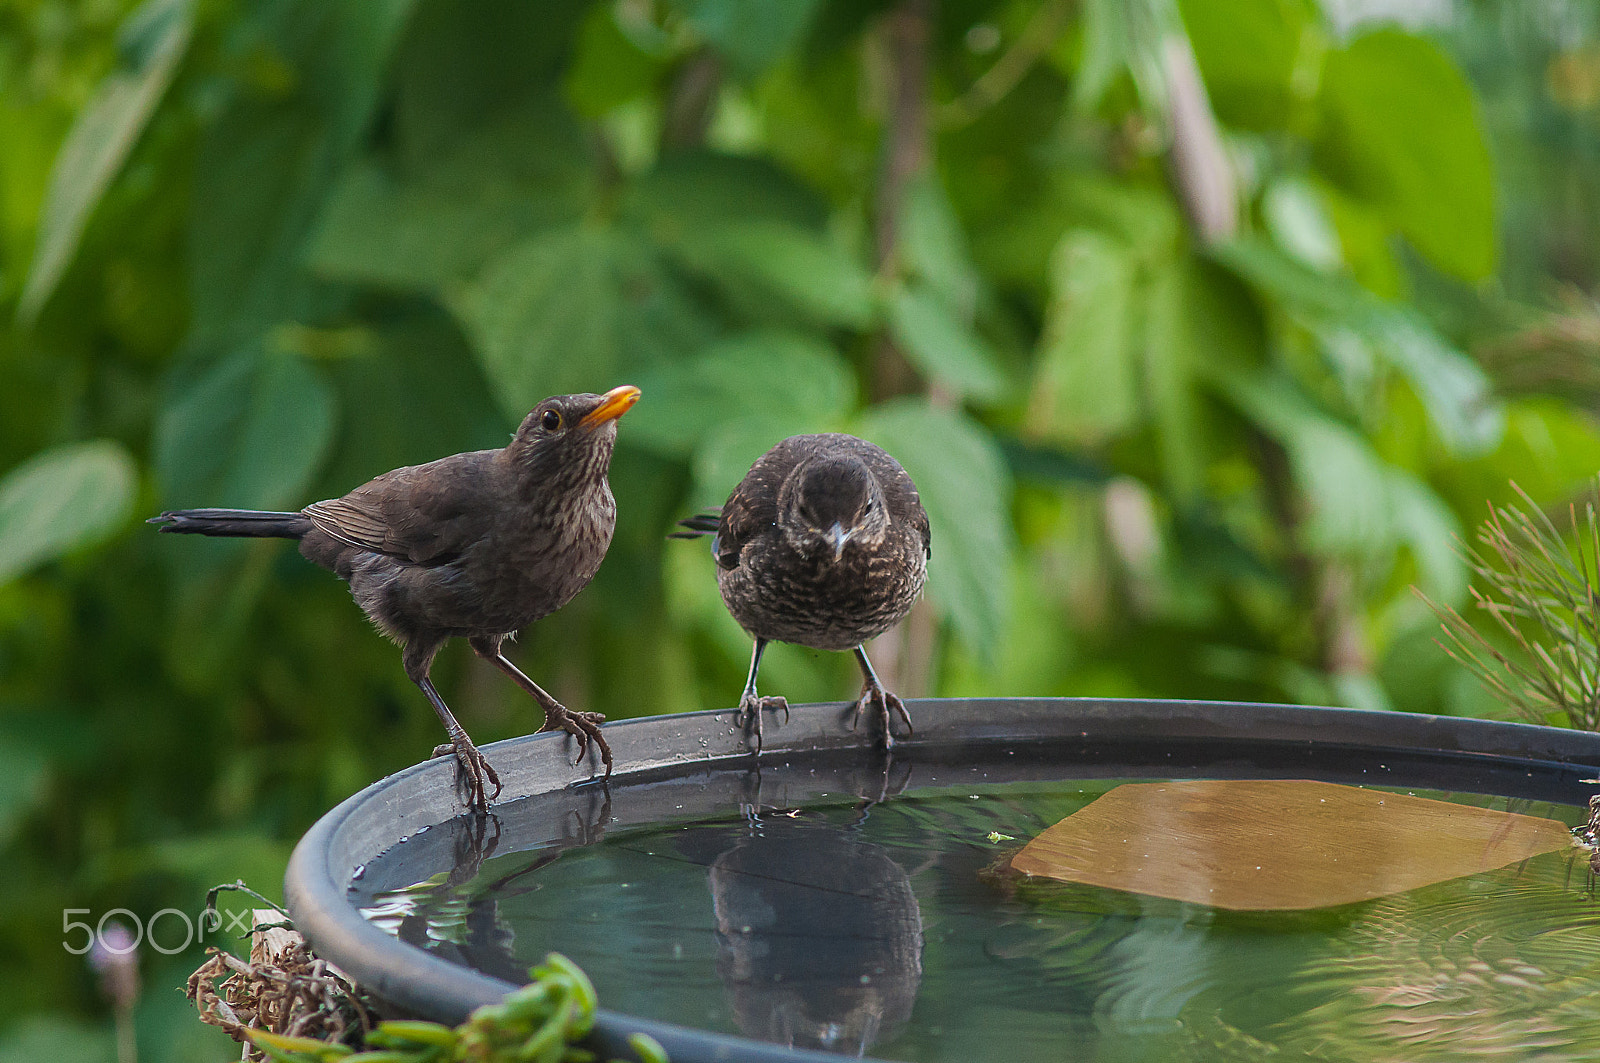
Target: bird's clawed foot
474 773
751 707
884 703
584 726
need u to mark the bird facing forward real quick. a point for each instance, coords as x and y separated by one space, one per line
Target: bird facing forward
475 546
824 543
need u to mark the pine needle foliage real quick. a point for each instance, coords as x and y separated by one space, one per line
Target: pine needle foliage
1540 592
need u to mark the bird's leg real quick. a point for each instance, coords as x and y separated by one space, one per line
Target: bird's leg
474 771
884 701
751 704
584 726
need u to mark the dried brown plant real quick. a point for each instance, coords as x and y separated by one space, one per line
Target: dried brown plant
282 989
1541 594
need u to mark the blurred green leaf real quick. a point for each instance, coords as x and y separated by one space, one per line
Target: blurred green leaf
1050 465
753 34
1358 691
609 68
61 499
1344 481
689 192
1171 363
1248 51
1425 523
933 247
252 211
947 350
216 587
689 582
284 434
165 1022
1366 243
1143 216
1454 389
32 137
1550 449
24 773
467 63
1086 375
1400 130
1198 321
1358 505
1456 392
962 478
664 316
381 232
544 317
417 395
424 227
58 1038
157 35
568 310
1122 49
1300 224
805 269
775 378
1103 53
250 432
221 856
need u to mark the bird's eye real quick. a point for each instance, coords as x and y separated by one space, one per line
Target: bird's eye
551 420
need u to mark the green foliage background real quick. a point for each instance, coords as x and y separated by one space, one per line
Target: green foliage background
254 253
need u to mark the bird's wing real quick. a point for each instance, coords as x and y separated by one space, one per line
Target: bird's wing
919 521
753 506
738 526
424 514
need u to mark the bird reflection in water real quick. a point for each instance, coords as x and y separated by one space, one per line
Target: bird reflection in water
819 936
456 914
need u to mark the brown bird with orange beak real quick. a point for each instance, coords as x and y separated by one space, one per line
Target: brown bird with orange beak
474 546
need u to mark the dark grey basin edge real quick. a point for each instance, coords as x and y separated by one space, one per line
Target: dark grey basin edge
422 796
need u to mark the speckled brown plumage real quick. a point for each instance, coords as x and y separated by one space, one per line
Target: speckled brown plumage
473 546
825 544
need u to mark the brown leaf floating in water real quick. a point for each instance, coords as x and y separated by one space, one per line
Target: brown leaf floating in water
1274 844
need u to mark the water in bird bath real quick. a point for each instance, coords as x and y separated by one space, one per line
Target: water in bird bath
873 910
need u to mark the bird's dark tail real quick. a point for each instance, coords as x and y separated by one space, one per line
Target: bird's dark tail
700 524
234 522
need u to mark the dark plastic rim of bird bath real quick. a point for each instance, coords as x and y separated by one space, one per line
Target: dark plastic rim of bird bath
654 748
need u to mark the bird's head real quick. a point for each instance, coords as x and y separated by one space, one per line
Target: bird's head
571 436
829 502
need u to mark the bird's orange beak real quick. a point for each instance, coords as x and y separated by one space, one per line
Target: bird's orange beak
613 404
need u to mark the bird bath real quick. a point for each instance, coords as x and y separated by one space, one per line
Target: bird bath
834 897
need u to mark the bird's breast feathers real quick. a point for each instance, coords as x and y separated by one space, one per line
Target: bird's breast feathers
816 601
